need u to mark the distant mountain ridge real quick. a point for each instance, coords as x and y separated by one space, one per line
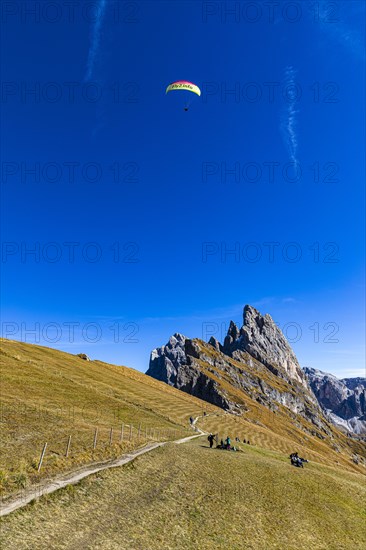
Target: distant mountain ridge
254 361
343 400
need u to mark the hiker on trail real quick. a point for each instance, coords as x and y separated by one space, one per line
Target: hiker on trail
191 419
248 442
211 438
245 441
228 443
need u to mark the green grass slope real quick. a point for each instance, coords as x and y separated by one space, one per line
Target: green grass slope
190 497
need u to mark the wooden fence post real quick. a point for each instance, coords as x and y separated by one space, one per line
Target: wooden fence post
42 456
68 446
121 435
110 436
95 438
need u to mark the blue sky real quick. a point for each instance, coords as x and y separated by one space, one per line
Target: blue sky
145 220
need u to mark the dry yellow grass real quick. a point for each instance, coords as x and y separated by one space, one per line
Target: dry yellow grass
190 497
47 395
281 430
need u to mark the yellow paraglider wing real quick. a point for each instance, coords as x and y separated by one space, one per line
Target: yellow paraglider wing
183 85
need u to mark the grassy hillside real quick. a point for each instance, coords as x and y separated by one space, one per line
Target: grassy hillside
282 437
189 496
279 429
48 395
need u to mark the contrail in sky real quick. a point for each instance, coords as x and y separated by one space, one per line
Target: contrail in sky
95 39
346 26
289 122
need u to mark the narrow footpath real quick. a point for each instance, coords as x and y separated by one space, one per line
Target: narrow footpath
71 478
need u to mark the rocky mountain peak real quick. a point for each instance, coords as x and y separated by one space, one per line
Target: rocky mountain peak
258 361
263 340
344 400
215 343
252 316
177 338
259 336
233 330
165 361
255 362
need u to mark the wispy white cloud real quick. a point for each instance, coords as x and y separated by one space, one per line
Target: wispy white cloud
340 351
289 117
289 300
95 39
343 23
265 301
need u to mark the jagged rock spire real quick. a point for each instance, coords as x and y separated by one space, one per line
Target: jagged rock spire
263 340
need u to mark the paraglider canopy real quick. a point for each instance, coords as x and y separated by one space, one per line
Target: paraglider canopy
183 85
187 87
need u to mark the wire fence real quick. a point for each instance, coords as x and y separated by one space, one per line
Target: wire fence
102 437
28 458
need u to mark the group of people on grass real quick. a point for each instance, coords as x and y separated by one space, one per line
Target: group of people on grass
225 444
296 460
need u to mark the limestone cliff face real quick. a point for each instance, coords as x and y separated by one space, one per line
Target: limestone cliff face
173 364
263 340
255 363
343 400
165 361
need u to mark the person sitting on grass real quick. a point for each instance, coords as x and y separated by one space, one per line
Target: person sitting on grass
296 460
